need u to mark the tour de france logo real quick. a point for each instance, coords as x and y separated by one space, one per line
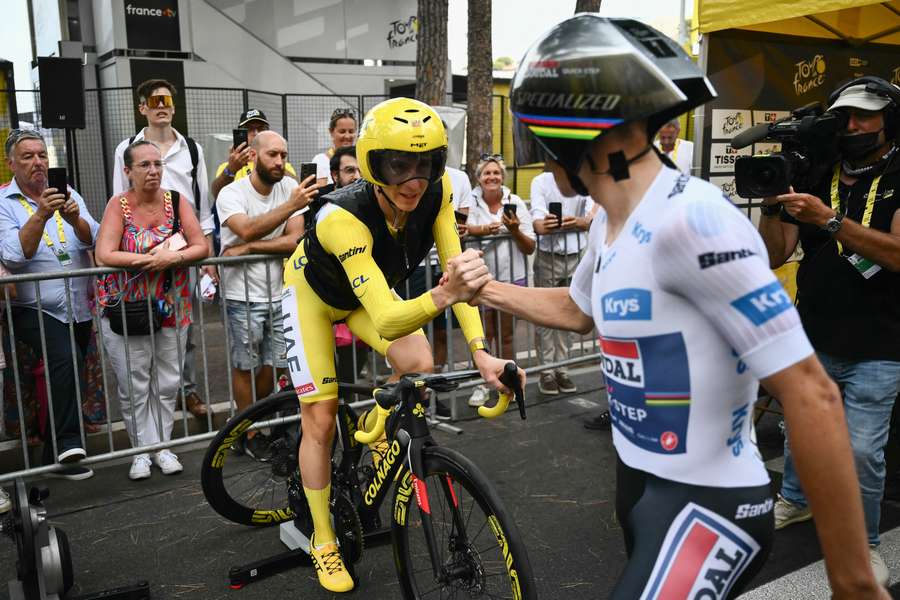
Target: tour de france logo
729 189
732 123
809 74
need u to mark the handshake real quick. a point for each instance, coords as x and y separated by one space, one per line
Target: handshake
464 278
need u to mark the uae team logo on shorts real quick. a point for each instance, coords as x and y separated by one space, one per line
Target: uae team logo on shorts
301 375
649 388
702 556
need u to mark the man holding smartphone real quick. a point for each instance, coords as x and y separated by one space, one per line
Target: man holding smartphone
560 219
261 214
46 228
238 164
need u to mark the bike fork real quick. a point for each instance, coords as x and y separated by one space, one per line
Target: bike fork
417 472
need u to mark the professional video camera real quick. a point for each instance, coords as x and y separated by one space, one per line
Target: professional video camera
809 146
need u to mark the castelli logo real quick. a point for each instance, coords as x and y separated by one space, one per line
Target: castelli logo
141 11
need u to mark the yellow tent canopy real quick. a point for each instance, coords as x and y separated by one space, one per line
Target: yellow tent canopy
856 21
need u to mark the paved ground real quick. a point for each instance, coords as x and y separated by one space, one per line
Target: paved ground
556 477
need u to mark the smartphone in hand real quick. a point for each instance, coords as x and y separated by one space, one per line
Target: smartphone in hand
555 209
307 169
461 217
238 137
56 178
509 210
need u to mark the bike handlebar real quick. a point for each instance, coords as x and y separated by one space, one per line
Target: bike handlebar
510 379
386 398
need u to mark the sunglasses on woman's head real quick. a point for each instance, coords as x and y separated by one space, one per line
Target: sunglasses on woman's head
342 112
491 156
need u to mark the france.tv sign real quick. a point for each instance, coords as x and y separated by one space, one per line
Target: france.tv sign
152 24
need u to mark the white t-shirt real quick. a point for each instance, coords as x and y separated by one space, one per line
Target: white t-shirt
544 191
682 154
323 166
462 188
500 254
690 318
240 197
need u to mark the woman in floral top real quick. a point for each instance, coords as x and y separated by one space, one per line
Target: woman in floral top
136 233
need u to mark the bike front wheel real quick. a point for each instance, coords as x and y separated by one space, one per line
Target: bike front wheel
480 550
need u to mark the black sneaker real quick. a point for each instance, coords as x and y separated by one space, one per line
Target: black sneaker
72 473
257 448
602 422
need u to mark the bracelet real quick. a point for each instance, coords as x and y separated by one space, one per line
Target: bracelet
228 172
477 344
180 258
771 210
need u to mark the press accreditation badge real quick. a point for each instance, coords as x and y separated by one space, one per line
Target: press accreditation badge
63 257
865 266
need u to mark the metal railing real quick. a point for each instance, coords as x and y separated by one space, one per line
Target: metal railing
213 361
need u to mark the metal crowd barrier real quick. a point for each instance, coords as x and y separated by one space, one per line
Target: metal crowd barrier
210 327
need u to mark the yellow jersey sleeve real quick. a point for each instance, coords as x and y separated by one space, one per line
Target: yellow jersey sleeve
221 169
350 241
289 168
446 239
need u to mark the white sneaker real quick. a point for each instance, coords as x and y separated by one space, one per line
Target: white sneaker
479 396
140 467
5 503
168 463
882 575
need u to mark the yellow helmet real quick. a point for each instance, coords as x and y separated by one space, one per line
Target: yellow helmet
401 139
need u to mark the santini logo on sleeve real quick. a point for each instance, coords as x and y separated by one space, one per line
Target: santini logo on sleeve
764 303
628 304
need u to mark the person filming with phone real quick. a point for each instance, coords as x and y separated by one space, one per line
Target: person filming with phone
153 233
45 227
260 214
848 285
239 164
496 210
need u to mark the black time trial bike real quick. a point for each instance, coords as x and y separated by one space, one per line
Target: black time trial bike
451 533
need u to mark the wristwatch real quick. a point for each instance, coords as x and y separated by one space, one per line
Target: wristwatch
771 210
833 225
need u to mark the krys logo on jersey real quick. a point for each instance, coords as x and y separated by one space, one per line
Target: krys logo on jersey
764 303
649 387
627 304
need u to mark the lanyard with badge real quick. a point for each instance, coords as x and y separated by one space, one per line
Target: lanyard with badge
866 267
61 253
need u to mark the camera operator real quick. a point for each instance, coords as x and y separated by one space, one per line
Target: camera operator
848 285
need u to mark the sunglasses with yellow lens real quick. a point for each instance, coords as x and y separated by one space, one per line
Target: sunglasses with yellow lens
162 99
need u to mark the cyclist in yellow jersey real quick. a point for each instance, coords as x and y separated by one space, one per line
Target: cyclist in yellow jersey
367 238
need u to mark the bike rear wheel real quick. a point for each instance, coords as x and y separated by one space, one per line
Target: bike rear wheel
481 550
243 489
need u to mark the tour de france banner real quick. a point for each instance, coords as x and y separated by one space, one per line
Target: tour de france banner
762 77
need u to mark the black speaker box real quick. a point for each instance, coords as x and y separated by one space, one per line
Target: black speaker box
62 93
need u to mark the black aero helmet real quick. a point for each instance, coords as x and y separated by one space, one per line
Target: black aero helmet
590 74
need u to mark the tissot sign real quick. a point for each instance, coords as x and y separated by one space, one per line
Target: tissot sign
152 24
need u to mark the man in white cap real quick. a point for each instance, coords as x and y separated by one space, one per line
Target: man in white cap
848 284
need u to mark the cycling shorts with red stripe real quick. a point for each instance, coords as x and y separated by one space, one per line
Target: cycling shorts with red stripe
688 542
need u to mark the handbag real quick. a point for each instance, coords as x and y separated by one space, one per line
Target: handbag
140 318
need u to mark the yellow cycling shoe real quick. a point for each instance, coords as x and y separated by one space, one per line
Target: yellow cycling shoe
333 575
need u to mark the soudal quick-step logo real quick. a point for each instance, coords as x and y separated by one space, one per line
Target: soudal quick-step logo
142 11
809 74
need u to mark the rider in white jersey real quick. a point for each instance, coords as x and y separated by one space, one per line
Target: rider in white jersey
690 317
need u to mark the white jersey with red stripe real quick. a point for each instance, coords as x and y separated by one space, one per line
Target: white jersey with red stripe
690 318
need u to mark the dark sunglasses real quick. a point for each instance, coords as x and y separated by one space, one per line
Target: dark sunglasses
498 157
